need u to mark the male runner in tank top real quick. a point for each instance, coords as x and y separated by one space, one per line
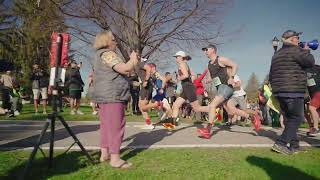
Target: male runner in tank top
223 80
144 72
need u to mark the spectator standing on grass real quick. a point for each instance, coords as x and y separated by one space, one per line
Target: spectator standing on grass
40 82
7 85
289 81
111 93
90 91
75 85
134 91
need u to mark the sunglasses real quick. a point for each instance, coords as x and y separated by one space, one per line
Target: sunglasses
297 37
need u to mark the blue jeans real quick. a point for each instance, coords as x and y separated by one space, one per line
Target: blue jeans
293 114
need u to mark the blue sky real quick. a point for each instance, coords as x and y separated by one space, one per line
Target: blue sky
259 21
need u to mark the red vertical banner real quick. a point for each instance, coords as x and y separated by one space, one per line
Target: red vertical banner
53 51
65 49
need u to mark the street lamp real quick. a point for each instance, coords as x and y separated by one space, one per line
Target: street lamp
275 43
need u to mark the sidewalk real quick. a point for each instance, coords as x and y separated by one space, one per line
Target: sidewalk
24 134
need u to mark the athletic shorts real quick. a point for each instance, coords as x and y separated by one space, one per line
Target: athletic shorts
225 91
159 97
315 101
239 101
75 94
188 92
42 91
146 93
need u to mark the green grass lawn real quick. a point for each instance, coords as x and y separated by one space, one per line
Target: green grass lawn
196 163
28 114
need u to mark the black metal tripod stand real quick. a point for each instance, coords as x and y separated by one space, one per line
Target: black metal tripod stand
51 122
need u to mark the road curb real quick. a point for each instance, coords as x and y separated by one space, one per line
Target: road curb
164 146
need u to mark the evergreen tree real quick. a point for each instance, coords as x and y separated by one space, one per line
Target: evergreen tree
252 87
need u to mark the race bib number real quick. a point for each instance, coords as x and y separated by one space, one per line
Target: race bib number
311 82
216 81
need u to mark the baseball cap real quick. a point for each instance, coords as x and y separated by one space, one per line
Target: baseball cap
210 46
180 53
73 62
290 33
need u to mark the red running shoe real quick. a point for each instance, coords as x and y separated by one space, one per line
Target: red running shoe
160 105
148 121
256 121
206 136
203 132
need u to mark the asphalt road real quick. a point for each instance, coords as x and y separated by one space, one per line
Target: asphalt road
24 135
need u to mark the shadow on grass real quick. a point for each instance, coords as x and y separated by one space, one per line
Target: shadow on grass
276 170
62 164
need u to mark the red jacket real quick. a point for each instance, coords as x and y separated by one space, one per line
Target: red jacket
198 84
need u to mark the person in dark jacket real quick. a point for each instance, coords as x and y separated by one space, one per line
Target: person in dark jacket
289 81
134 91
75 85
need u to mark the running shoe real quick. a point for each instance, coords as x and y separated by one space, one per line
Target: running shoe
168 126
160 105
148 126
256 122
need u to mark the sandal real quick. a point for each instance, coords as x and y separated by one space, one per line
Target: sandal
105 159
123 165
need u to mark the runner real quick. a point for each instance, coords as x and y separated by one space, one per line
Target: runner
145 72
223 80
188 88
313 84
237 101
161 91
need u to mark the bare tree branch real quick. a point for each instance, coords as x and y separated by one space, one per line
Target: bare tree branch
151 26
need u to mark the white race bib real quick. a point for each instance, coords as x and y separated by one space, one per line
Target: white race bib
311 82
216 81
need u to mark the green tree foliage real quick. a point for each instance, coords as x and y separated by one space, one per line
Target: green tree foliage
7 22
252 87
30 36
